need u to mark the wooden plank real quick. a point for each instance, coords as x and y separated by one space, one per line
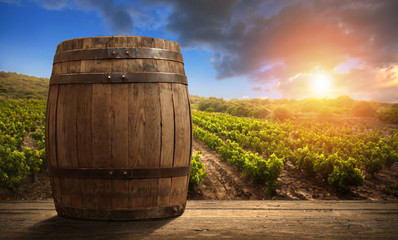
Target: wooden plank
120 143
84 140
178 192
144 126
182 147
101 141
167 141
152 136
84 126
70 116
214 220
144 138
182 126
101 125
136 129
152 142
51 140
95 42
62 136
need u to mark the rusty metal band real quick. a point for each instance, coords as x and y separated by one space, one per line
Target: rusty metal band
137 173
118 53
139 77
120 214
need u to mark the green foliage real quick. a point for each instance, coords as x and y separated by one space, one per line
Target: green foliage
13 167
218 104
275 168
309 108
390 115
17 120
334 153
198 172
345 174
261 170
393 187
33 160
305 159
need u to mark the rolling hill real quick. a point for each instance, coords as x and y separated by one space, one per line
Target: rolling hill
19 86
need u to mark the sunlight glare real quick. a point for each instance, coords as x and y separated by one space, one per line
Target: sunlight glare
320 83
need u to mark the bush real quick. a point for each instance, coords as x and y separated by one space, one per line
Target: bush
260 112
390 115
13 167
197 171
345 174
281 114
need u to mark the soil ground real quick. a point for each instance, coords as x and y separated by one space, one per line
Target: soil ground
225 182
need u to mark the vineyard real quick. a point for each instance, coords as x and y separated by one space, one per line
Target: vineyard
24 119
18 120
339 155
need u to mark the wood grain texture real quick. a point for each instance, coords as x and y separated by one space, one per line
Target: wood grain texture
102 142
214 220
118 125
51 141
167 140
120 143
62 135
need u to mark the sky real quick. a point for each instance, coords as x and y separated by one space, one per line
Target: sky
231 48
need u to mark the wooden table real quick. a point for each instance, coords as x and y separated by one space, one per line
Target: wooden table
214 220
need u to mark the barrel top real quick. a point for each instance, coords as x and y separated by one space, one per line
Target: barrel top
117 41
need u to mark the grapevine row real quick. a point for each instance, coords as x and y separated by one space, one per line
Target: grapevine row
336 154
18 119
261 170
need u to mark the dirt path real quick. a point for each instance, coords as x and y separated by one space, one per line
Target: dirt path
224 180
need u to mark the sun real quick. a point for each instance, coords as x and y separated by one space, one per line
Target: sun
320 83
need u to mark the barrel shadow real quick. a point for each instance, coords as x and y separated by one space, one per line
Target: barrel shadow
62 228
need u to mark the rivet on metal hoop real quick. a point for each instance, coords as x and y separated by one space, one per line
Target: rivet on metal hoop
110 173
127 52
125 173
109 76
123 76
114 52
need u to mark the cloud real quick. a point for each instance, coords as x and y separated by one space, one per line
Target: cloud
278 42
117 16
53 4
257 89
248 36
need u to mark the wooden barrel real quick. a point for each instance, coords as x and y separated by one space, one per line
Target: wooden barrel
118 129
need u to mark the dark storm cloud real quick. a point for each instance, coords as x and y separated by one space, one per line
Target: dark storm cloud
365 29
